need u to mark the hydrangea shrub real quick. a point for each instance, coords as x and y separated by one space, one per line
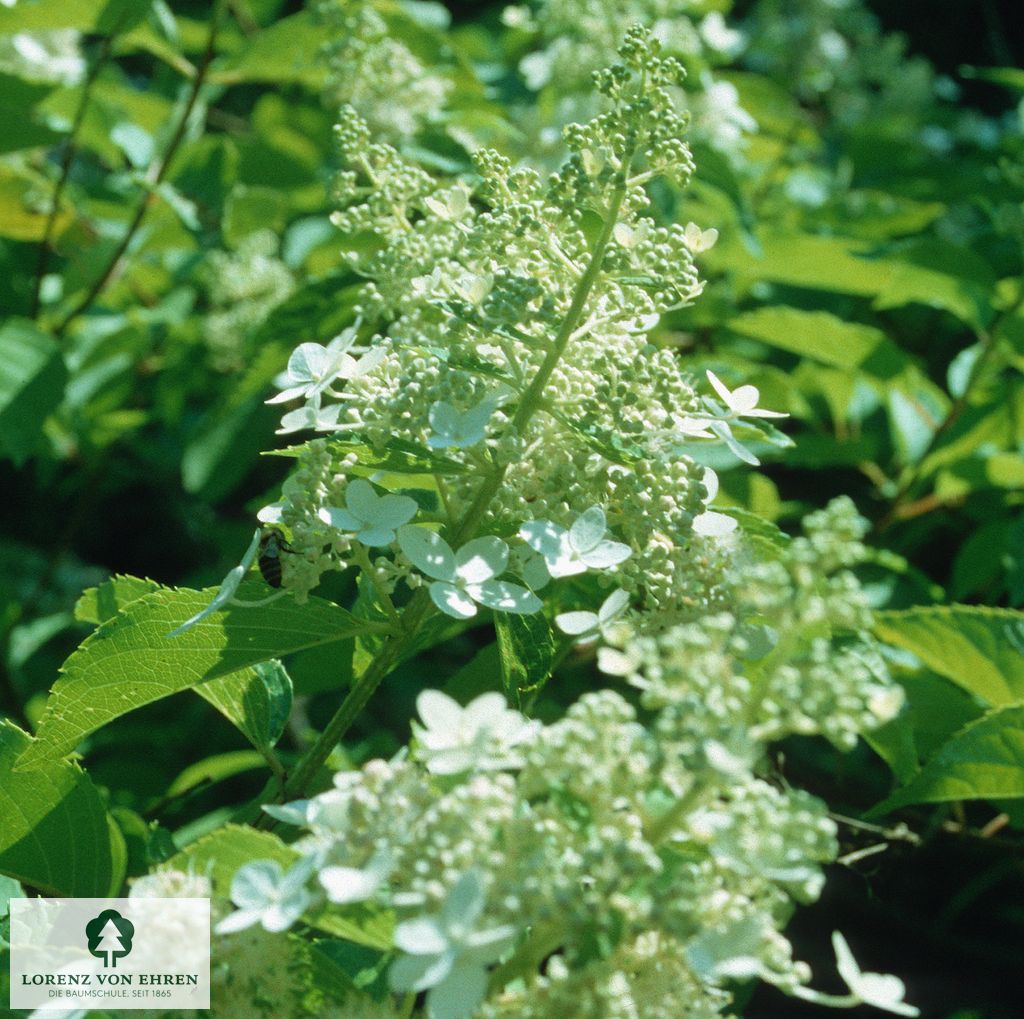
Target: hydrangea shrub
524 335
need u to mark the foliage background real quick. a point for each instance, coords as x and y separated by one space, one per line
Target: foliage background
135 449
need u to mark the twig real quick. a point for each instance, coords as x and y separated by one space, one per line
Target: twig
154 176
67 158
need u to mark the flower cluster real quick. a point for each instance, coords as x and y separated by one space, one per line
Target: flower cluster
569 39
243 287
627 863
505 339
374 71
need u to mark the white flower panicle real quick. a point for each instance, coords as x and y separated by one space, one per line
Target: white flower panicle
497 432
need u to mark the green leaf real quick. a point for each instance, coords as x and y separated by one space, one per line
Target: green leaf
913 426
1008 77
281 53
805 260
20 217
932 273
32 378
98 604
527 651
22 130
46 14
941 275
984 761
215 769
979 649
257 701
399 456
122 15
130 661
935 709
56 835
253 208
824 338
221 853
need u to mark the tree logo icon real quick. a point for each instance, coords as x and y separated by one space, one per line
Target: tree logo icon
110 937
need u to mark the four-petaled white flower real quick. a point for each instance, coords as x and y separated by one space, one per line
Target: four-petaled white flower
698 240
583 546
710 524
447 956
877 989
588 626
312 417
355 884
473 288
372 517
460 580
312 368
450 204
479 737
742 401
268 895
459 429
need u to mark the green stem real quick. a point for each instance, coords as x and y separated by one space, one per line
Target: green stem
392 652
420 607
363 559
533 397
154 176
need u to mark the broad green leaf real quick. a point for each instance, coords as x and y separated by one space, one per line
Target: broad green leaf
130 661
9 889
122 15
822 337
526 651
935 709
250 209
18 99
56 836
257 701
32 15
21 218
215 769
913 426
980 431
98 604
32 378
222 852
932 273
980 649
983 761
340 967
281 53
941 275
805 260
